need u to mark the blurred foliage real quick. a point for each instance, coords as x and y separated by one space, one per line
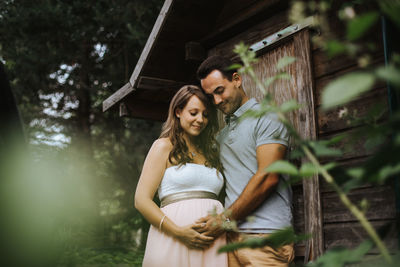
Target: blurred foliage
277 239
337 257
103 257
75 182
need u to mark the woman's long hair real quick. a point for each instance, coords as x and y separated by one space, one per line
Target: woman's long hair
205 142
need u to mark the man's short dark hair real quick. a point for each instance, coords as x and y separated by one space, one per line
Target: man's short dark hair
212 63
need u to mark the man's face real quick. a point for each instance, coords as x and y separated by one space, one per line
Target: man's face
226 95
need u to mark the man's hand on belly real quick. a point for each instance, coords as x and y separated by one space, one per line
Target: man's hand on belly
210 225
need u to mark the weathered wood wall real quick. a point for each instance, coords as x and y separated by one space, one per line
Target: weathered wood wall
339 226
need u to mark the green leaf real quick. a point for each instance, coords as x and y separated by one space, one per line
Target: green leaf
346 88
283 62
282 166
388 171
265 109
289 106
334 48
308 169
329 166
296 153
389 73
335 139
360 24
234 67
356 173
323 150
269 81
374 141
283 76
391 9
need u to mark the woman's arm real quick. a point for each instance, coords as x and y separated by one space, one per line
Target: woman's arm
150 178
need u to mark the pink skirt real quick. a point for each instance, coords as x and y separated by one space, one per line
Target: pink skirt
164 250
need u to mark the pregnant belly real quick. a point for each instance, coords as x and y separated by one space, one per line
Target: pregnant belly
188 211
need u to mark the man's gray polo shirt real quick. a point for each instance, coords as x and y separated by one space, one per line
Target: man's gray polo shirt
239 141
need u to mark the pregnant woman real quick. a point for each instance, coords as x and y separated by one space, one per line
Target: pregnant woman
183 164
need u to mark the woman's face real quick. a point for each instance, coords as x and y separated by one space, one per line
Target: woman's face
193 117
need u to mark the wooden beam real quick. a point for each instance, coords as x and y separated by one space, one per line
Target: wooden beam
276 37
307 130
151 41
352 234
117 96
153 83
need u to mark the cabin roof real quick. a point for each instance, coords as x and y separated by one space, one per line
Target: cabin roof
182 34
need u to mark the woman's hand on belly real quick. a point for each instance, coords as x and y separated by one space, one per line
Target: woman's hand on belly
193 239
211 225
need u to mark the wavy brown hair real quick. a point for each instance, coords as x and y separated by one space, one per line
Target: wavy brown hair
205 142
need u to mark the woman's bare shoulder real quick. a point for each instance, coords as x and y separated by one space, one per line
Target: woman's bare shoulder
162 144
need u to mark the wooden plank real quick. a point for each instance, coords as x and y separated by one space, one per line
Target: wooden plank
307 130
274 39
320 83
298 210
337 173
351 234
154 83
151 41
298 218
330 121
323 65
381 204
117 96
351 146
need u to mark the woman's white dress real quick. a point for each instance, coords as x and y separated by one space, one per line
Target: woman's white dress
164 250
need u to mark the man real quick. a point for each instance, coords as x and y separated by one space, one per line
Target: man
247 148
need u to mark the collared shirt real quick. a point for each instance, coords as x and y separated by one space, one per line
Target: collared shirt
239 141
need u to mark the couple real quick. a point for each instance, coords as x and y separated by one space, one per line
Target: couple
187 166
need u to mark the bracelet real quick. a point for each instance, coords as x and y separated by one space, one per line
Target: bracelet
161 222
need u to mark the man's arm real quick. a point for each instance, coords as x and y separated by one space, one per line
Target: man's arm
261 184
258 189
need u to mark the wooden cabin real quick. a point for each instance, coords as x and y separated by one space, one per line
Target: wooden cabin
187 31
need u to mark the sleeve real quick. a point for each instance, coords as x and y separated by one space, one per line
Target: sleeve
269 130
